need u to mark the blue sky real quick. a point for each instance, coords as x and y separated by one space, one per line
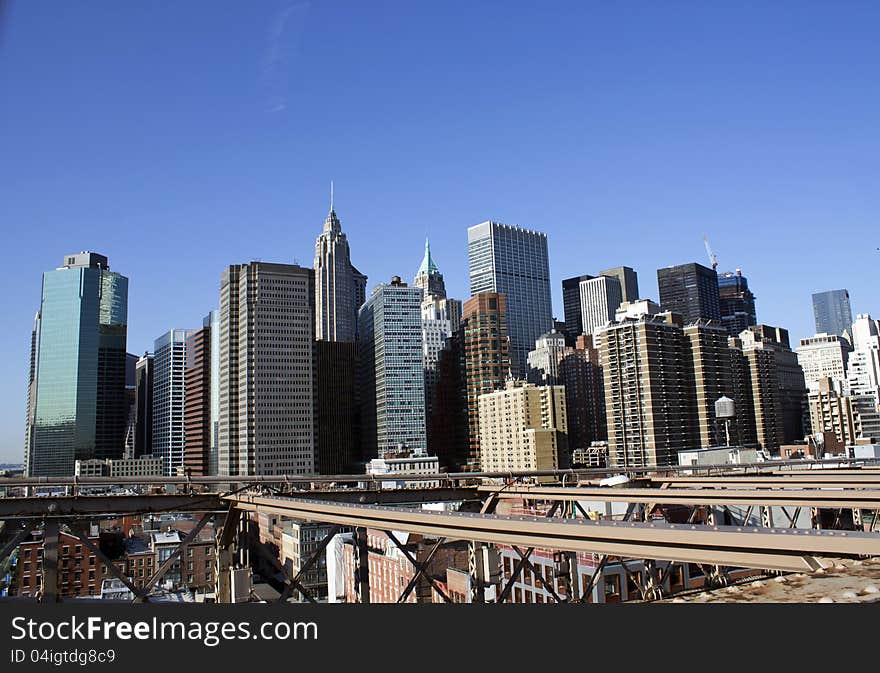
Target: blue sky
177 138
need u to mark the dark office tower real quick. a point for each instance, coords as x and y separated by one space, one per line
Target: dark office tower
131 403
581 373
737 302
447 423
143 441
690 290
790 386
571 307
629 281
78 406
710 376
742 431
832 312
336 410
428 277
648 390
514 262
197 425
486 360
267 372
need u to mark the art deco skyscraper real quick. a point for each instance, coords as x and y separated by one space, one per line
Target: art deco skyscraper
428 277
514 262
77 403
339 287
267 370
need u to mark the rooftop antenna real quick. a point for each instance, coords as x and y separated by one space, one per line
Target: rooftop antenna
713 260
331 196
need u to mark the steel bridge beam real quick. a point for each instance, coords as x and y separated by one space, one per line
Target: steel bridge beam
774 548
85 505
823 498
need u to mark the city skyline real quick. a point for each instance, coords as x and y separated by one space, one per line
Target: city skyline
763 186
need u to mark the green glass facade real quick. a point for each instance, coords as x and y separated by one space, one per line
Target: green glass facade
78 405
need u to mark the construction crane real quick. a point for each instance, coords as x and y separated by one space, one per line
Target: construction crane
713 260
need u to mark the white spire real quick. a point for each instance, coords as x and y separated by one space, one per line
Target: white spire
331 196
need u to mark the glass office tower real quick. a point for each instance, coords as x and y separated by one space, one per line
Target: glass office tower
514 262
77 405
832 312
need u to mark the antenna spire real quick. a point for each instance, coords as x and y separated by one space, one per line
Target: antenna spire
331 196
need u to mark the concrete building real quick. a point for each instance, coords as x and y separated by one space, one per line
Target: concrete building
77 407
169 398
634 309
790 385
600 299
832 412
690 290
514 262
447 423
580 372
201 400
523 427
863 377
721 455
737 302
832 312
145 466
647 390
337 417
707 350
267 370
544 360
339 286
415 463
486 362
824 356
391 365
628 279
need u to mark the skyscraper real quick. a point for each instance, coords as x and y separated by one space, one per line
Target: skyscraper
428 277
691 290
391 365
169 394
201 399
267 370
485 362
339 287
648 390
707 350
783 379
514 262
737 302
143 442
832 311
77 407
580 372
600 298
571 307
824 356
628 279
336 407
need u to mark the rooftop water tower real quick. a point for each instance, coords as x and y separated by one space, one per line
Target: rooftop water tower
725 410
